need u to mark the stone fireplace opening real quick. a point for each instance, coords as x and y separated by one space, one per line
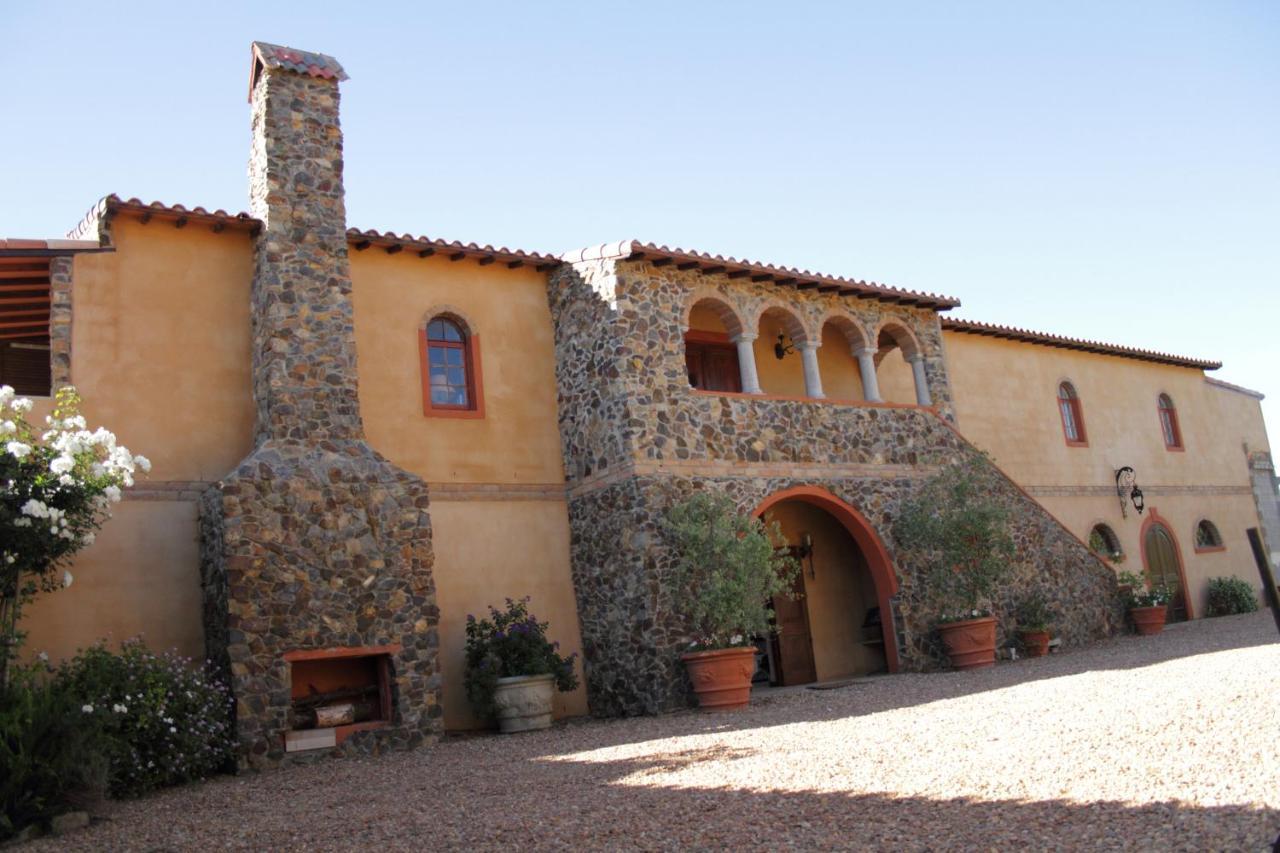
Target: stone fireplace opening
337 692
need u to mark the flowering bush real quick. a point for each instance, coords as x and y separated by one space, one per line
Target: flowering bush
162 722
511 642
56 488
1137 593
727 571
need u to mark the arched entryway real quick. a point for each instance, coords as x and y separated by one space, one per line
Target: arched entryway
1162 559
843 624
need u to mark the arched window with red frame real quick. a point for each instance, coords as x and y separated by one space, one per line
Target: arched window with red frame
1169 423
450 369
1072 415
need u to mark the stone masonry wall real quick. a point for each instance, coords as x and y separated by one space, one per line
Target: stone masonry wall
315 541
872 457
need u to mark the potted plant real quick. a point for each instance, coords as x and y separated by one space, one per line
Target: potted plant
727 571
956 524
1148 605
1034 617
513 670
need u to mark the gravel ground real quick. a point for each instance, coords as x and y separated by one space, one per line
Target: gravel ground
1163 743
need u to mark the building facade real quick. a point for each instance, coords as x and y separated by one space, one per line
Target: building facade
358 438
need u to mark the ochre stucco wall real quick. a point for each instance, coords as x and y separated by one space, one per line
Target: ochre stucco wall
518 439
160 352
487 551
1006 403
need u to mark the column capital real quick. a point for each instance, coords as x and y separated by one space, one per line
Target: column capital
913 358
745 336
859 352
811 345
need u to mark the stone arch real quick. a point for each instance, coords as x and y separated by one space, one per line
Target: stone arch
901 335
791 321
854 332
715 300
873 550
453 313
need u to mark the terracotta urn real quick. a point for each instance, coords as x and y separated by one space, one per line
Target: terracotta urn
1035 643
722 677
1148 620
971 643
524 702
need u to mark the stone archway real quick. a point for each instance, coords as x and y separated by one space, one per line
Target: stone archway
879 565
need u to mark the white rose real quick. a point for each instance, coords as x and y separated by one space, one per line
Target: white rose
62 464
18 449
66 579
142 462
6 394
88 709
8 427
21 405
35 509
112 493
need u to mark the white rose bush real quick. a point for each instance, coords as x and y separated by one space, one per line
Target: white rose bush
57 485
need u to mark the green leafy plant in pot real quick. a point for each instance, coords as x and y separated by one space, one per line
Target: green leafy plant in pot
1034 625
513 669
727 570
956 525
1147 603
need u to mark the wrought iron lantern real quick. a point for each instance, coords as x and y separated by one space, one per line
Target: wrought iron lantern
1128 491
781 348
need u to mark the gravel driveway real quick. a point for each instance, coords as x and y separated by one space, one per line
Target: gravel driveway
1162 743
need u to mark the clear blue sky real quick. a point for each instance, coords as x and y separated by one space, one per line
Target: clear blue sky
1105 170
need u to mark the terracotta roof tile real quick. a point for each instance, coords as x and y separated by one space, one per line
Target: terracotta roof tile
760 271
972 327
301 61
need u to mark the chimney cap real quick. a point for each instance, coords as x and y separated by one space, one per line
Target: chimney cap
267 55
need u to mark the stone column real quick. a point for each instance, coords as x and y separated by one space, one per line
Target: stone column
747 363
812 377
866 357
922 384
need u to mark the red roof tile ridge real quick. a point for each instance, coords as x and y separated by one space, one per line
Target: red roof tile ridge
458 245
625 248
1031 336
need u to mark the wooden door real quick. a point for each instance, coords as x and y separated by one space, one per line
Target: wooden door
1163 566
713 366
793 642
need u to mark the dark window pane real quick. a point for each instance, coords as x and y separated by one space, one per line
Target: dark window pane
439 394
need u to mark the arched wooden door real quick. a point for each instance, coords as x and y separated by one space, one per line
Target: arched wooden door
1163 565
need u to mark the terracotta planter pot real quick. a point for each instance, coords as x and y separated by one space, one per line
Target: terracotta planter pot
722 678
524 702
971 644
1035 643
1148 620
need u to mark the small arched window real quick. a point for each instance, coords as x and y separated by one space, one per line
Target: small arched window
1104 542
1207 536
1169 423
450 369
1072 415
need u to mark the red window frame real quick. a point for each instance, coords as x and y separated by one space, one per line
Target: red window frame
1070 402
1167 413
470 348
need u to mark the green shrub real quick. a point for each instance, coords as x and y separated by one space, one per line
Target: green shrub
163 722
727 571
1034 613
956 524
1228 596
509 643
1136 590
51 755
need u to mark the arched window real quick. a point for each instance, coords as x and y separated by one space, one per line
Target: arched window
1207 536
1104 542
1072 416
450 369
1169 423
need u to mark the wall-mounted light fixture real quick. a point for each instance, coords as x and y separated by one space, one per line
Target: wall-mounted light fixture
805 551
781 348
1128 492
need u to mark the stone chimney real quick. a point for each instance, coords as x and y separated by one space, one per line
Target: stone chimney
316 551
